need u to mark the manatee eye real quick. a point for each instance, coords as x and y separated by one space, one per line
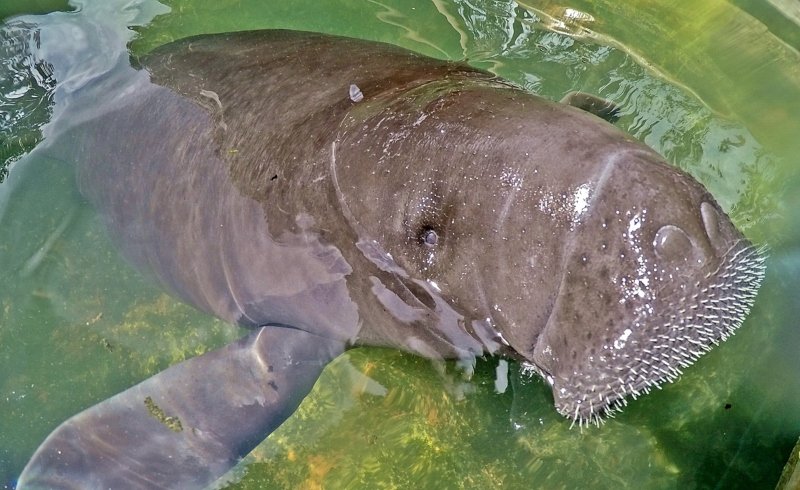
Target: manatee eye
429 237
672 243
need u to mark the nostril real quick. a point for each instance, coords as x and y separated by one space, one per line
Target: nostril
711 222
673 244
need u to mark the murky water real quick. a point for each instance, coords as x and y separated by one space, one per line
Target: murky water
712 85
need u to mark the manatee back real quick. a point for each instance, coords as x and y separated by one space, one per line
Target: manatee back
211 168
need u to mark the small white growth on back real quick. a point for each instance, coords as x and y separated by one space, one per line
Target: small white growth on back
355 93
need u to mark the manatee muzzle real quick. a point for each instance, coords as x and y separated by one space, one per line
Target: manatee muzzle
692 321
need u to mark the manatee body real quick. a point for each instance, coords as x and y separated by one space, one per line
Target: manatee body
332 192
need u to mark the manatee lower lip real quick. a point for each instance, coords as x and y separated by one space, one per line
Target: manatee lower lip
713 310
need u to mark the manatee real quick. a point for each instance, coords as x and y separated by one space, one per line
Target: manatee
331 192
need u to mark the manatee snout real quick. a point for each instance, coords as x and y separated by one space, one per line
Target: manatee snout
656 275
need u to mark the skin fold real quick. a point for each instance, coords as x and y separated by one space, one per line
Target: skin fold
331 192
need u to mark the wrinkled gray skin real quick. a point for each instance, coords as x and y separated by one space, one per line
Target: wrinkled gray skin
447 213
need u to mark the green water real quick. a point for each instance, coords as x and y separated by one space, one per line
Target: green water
712 85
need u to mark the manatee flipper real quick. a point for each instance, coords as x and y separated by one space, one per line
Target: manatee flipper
188 425
602 108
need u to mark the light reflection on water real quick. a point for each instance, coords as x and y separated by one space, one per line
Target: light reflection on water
26 87
77 325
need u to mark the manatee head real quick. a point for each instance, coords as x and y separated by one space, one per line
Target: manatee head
593 260
654 275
